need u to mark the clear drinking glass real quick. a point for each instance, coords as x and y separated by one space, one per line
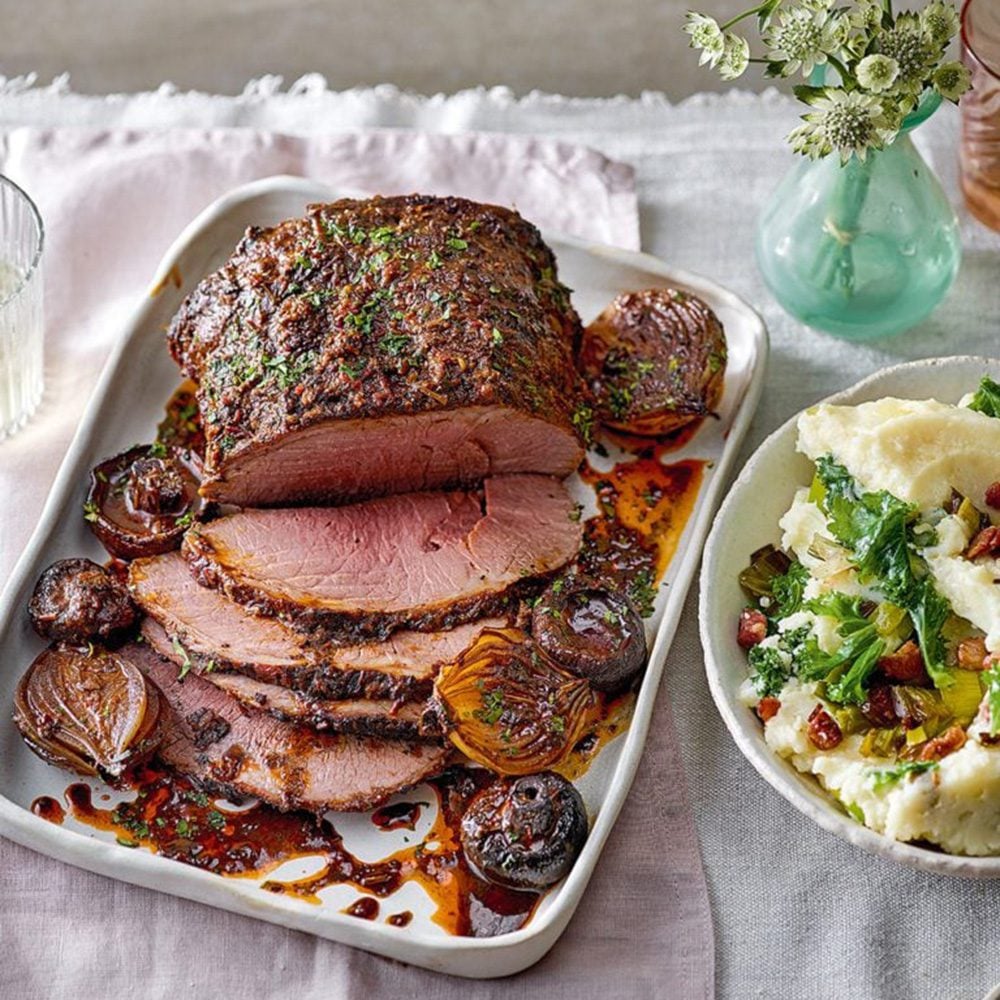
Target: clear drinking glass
980 153
21 240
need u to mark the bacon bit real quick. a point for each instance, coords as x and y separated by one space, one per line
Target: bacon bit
949 741
752 629
824 733
767 709
906 665
987 542
993 495
879 708
972 655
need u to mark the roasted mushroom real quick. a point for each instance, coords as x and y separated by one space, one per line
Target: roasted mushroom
525 832
593 632
141 501
506 705
654 360
75 601
93 713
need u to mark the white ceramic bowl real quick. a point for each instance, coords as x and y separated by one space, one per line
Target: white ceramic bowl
749 519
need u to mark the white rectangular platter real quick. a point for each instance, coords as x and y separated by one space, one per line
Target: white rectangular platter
126 406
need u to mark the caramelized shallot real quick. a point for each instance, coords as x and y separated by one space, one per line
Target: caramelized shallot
507 706
90 713
141 501
655 360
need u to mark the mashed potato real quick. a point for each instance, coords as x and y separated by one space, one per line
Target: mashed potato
919 451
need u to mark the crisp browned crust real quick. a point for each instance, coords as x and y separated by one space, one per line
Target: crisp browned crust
378 307
352 627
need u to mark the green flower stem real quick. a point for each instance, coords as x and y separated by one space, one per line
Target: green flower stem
740 17
846 80
835 263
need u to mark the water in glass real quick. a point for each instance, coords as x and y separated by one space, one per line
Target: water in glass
20 308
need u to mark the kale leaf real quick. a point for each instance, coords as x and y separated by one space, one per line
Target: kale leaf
929 611
848 669
874 526
987 398
877 528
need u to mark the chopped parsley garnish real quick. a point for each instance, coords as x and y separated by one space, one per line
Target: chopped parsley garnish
583 421
433 260
91 511
184 521
642 591
288 371
157 449
216 820
318 296
497 337
454 243
493 707
354 369
186 663
394 343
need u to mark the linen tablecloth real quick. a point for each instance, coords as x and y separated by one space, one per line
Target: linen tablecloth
113 199
797 912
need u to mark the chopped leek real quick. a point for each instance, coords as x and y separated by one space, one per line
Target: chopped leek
963 697
991 678
883 777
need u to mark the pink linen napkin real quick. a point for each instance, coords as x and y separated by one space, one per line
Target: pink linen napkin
112 201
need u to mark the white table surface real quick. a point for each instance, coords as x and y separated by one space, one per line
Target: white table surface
797 912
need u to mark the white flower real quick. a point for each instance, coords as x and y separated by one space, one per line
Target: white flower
867 15
951 80
906 44
940 22
735 57
877 73
705 35
802 39
851 123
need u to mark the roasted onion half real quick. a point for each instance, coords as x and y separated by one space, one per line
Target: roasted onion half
142 501
508 706
91 713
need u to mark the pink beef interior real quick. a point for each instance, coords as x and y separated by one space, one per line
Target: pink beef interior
213 738
423 451
403 552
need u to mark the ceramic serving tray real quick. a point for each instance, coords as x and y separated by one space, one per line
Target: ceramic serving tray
126 407
749 519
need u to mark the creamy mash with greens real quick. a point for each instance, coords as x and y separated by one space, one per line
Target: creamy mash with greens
873 632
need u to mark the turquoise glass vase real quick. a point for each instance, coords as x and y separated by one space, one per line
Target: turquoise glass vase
864 249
